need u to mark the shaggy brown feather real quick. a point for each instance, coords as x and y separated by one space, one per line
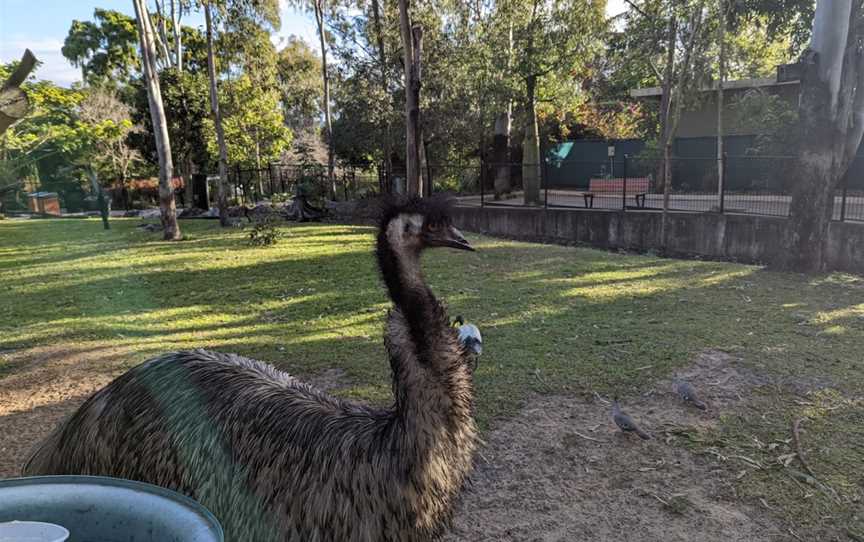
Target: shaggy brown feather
277 460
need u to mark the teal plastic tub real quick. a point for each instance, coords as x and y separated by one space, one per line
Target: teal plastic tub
99 509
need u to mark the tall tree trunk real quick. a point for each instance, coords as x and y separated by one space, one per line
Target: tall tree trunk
501 153
721 79
676 103
531 173
331 156
258 163
666 97
412 101
425 167
171 230
503 128
416 71
176 16
215 112
831 111
382 60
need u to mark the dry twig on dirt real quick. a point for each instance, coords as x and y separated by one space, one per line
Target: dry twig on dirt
796 442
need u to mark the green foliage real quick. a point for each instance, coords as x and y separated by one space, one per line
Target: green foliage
254 127
784 19
300 85
186 99
555 41
773 120
105 49
753 52
265 231
39 149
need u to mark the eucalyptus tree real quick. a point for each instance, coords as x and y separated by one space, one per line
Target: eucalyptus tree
553 42
146 37
222 191
248 92
831 112
300 85
322 11
104 48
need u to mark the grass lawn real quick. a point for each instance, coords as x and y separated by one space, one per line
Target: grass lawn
554 320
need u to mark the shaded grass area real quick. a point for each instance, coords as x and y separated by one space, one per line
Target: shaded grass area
554 319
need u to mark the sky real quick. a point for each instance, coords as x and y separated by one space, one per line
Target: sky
42 26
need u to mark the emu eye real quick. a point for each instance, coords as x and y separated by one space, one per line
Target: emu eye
433 227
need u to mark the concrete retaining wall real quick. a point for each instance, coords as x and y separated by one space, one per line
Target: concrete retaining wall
741 238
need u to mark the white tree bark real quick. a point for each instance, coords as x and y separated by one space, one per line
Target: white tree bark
831 111
222 191
830 32
176 16
167 205
331 155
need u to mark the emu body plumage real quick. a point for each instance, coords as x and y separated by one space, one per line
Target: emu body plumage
277 460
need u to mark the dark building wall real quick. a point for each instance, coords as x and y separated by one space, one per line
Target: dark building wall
702 120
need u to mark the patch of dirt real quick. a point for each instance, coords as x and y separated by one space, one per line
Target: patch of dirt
561 471
47 384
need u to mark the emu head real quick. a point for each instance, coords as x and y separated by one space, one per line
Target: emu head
413 225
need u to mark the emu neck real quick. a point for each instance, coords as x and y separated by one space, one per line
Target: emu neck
431 381
400 267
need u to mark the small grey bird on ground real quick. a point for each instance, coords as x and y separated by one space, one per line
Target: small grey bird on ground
686 392
625 422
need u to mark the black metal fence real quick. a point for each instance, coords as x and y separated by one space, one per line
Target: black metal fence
283 181
349 182
757 185
751 185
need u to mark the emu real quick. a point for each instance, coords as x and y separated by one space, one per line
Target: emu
277 460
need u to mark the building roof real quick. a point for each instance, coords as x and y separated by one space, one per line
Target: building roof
787 74
728 85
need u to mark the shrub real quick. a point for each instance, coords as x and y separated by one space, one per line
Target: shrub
265 231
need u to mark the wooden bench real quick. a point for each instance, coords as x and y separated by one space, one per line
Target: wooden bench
637 186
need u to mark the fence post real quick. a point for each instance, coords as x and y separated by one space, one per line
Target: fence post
270 175
545 180
482 178
624 186
238 183
722 182
842 200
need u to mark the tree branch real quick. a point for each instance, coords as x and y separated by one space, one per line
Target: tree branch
639 10
162 37
28 62
684 76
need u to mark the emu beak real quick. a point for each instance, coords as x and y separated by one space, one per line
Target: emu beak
449 237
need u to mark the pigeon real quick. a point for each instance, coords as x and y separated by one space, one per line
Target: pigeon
686 392
625 422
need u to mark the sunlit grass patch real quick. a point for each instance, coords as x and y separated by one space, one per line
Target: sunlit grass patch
554 320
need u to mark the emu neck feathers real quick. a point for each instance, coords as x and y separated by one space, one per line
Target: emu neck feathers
400 267
430 377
